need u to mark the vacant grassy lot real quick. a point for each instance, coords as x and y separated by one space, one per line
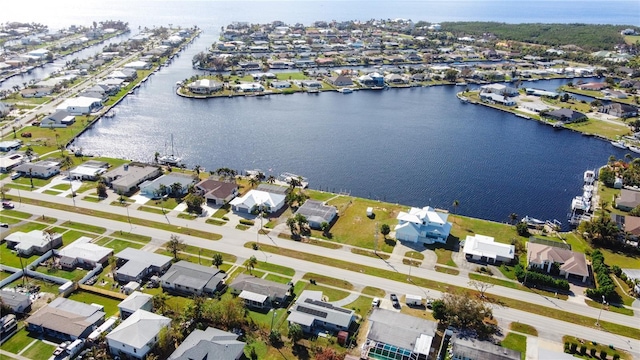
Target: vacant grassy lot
463 226
118 245
607 129
326 280
84 227
355 228
523 328
110 304
516 342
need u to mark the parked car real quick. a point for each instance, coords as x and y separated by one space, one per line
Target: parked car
429 303
394 300
4 225
7 205
15 175
375 302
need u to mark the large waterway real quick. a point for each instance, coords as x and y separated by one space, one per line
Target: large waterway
414 146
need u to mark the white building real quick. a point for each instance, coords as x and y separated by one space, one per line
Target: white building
80 105
137 335
484 248
250 201
423 225
37 241
151 188
204 86
82 252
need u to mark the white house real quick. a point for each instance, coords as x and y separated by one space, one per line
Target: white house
249 87
270 202
204 86
499 89
80 105
151 188
484 248
135 302
423 225
138 65
136 335
83 252
43 169
37 241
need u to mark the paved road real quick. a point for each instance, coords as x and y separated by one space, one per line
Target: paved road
233 241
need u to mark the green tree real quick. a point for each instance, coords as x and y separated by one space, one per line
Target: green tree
385 230
159 302
217 260
513 217
295 333
175 245
291 223
194 203
456 203
253 181
101 190
251 263
3 191
522 229
324 227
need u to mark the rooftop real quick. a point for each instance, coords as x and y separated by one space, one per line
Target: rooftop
211 344
66 316
139 329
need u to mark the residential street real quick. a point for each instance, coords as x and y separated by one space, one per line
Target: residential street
233 243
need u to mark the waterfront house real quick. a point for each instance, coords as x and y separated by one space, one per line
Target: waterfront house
260 293
629 224
627 200
90 170
398 335
424 225
35 241
59 119
570 263
138 65
565 115
43 169
123 74
66 319
136 335
484 248
474 349
315 316
249 87
80 105
311 84
204 86
36 92
395 79
210 344
152 188
499 89
135 265
540 92
18 302
255 199
280 84
125 178
134 302
619 110
83 253
597 86
217 192
317 213
189 279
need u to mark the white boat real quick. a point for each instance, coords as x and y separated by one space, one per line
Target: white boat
287 177
619 144
170 159
532 221
589 177
345 90
634 149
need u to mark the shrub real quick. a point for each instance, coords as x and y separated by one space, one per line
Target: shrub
247 222
603 354
616 357
583 349
593 352
604 285
225 218
574 347
567 346
536 278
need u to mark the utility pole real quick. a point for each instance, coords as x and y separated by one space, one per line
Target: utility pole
600 313
375 240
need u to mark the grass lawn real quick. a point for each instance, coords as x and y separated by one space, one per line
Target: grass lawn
221 212
51 192
18 341
446 270
11 259
355 228
331 293
84 227
278 278
370 253
169 203
631 39
609 130
119 245
187 216
152 210
611 257
265 319
243 227
74 275
523 328
463 226
39 351
326 280
275 268
599 347
361 305
615 309
110 304
414 255
253 272
15 213
93 199
62 186
72 235
373 291
216 222
319 195
131 236
516 342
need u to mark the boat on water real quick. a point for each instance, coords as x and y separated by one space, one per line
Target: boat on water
170 159
533 222
288 177
463 99
635 149
345 90
589 177
109 114
619 144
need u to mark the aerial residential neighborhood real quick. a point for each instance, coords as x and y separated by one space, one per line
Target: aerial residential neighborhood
154 256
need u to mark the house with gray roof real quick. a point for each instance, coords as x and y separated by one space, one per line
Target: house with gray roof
565 115
60 118
135 302
18 302
314 315
628 200
211 343
42 169
405 335
125 178
35 241
274 189
135 265
260 293
192 279
317 213
136 335
473 349
66 319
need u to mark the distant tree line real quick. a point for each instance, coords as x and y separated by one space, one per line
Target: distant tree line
589 37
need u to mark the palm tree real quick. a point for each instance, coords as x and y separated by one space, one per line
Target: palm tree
291 223
271 179
217 260
176 189
156 155
197 169
253 181
251 263
513 217
162 189
456 203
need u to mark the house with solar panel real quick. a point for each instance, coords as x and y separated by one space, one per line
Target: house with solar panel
317 213
315 316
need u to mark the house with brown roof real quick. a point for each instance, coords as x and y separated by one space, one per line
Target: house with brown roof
543 256
593 86
629 224
340 80
627 200
66 319
216 191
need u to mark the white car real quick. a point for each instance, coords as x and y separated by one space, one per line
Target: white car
375 302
